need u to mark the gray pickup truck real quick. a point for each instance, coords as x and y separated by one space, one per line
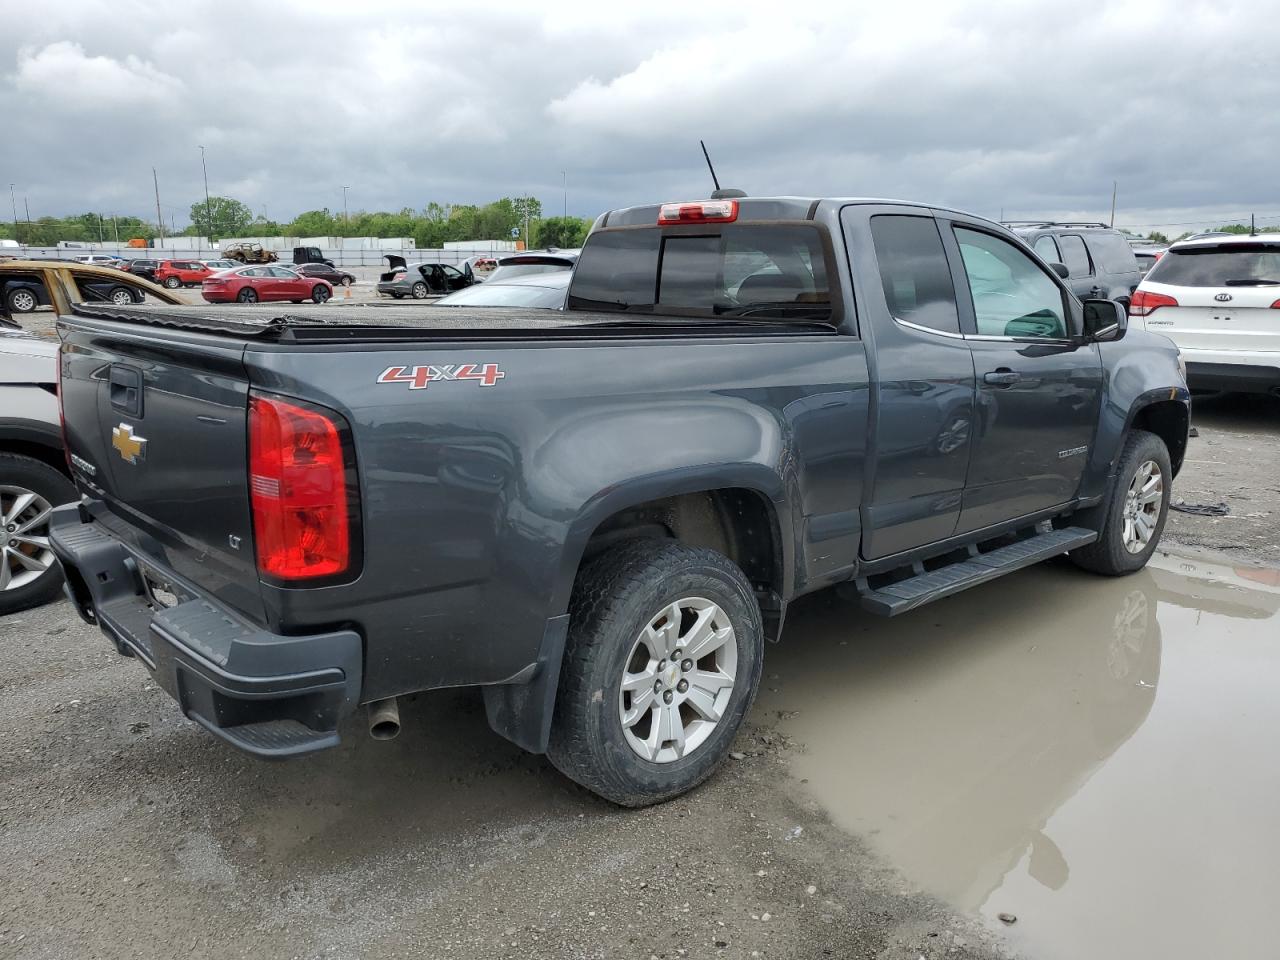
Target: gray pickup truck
598 515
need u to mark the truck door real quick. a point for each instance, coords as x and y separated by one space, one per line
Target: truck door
1038 385
923 401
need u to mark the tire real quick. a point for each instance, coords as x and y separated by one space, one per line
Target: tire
398 296
618 598
346 281
22 300
247 295
173 283
419 291
1120 549
24 547
120 296
320 293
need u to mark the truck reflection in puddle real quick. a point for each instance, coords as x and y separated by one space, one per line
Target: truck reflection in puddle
964 741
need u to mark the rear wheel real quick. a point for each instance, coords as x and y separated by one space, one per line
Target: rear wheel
247 295
663 659
346 281
29 489
21 301
173 283
319 293
121 296
419 291
1136 510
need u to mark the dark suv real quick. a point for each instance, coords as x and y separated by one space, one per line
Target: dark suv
1099 261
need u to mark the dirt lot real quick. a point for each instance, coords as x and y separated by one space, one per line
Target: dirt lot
900 785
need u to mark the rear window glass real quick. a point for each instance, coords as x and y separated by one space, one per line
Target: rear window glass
742 269
1075 256
1236 265
1112 253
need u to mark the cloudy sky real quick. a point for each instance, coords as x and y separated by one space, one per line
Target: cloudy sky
1030 107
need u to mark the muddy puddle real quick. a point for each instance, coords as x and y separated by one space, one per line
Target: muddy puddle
1095 757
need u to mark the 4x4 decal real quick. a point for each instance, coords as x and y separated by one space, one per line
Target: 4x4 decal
486 374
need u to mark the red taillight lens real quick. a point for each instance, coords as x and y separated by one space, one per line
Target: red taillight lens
1143 303
1276 305
298 489
704 211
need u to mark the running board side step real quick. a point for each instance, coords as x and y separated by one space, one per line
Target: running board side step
896 598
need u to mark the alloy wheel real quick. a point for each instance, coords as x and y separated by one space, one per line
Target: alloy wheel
1142 505
677 680
25 554
23 301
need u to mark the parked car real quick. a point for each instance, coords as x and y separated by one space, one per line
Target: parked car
310 255
33 470
533 263
248 253
745 401
216 265
28 284
1147 255
420 280
543 290
1218 299
1098 259
338 278
96 259
143 267
182 273
264 283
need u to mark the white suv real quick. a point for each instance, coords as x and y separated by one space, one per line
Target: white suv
1218 299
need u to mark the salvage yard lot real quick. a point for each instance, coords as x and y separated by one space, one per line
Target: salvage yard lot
127 832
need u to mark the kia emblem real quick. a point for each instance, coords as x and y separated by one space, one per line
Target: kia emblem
1223 298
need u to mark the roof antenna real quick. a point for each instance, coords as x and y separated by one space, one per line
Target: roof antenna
728 193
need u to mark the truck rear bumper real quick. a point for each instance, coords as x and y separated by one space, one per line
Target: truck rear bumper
272 696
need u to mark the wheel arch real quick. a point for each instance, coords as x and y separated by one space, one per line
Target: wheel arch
1170 420
735 510
39 441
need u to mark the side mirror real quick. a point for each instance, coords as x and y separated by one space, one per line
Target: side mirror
1061 270
1105 320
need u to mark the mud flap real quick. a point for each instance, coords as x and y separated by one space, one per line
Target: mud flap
522 711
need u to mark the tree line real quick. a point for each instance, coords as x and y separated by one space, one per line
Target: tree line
227 217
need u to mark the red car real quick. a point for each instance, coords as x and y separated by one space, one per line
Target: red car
264 283
181 273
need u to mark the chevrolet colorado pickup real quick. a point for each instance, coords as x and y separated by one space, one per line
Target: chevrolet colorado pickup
598 515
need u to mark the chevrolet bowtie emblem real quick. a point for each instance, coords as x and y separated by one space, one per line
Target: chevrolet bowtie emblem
130 447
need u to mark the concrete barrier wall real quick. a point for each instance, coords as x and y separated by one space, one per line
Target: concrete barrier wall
340 257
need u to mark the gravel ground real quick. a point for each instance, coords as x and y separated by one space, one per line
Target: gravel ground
127 832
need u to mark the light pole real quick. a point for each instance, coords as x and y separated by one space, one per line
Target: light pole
208 209
15 211
345 218
565 176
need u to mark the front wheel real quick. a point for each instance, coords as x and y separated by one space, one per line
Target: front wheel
173 283
121 297
663 659
1135 511
22 300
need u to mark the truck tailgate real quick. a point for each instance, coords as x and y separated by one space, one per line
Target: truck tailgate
156 427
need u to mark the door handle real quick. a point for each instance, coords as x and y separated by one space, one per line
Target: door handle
1003 377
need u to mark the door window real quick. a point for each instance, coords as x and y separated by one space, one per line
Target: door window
1048 249
914 272
1012 295
1076 257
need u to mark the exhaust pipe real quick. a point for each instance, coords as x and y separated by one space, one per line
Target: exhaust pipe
384 719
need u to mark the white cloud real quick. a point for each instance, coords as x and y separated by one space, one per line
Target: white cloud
62 74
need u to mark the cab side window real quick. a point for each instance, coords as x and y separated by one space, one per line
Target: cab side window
1076 257
1012 295
914 272
1048 249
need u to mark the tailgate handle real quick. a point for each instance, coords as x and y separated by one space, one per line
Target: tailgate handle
126 389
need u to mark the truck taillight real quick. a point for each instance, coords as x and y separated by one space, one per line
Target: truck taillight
1144 303
301 487
702 211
